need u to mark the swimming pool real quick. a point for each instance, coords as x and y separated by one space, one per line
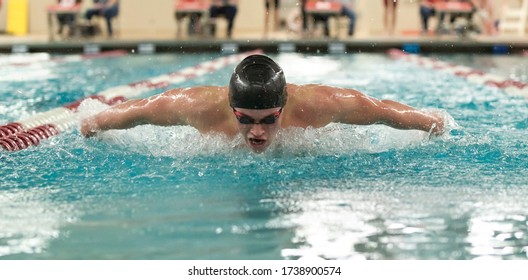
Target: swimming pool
340 192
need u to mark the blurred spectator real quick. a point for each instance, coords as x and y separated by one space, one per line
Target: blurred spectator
276 15
67 19
467 16
304 17
348 11
485 13
226 8
389 15
319 18
104 8
427 10
193 13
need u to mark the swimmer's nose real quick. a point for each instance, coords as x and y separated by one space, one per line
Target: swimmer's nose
257 130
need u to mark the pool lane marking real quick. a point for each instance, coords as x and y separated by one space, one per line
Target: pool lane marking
46 58
511 87
29 132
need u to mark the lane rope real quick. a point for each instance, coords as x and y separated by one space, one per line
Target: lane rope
510 86
29 132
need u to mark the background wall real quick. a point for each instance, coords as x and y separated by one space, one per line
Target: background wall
155 18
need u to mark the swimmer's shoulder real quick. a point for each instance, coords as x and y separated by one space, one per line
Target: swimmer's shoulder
305 105
199 95
318 89
317 93
306 98
198 92
193 100
303 92
314 98
322 91
302 88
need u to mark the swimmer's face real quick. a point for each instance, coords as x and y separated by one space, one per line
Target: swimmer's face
258 127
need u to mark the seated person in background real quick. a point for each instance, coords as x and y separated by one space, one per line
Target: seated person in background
324 21
469 26
348 11
194 17
317 18
276 15
226 8
104 8
485 13
304 17
389 15
67 18
427 10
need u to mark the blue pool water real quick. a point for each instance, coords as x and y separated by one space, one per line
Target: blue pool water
340 192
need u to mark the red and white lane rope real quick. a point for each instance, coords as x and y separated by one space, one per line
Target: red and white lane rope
511 87
29 132
28 59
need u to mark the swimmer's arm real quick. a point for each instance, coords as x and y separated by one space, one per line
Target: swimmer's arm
401 116
160 110
364 110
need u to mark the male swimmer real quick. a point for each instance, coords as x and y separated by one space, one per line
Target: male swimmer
257 104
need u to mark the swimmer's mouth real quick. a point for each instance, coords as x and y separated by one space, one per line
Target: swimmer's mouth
257 142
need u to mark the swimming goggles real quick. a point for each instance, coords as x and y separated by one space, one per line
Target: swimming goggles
245 119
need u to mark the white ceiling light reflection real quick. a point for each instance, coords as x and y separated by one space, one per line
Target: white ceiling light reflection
29 220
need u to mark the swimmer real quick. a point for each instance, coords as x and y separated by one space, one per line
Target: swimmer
257 104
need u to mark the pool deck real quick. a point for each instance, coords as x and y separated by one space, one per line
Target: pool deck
275 42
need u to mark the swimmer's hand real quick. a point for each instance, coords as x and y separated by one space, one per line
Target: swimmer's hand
438 127
89 128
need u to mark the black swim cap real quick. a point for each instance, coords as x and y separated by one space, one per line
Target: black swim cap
257 83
